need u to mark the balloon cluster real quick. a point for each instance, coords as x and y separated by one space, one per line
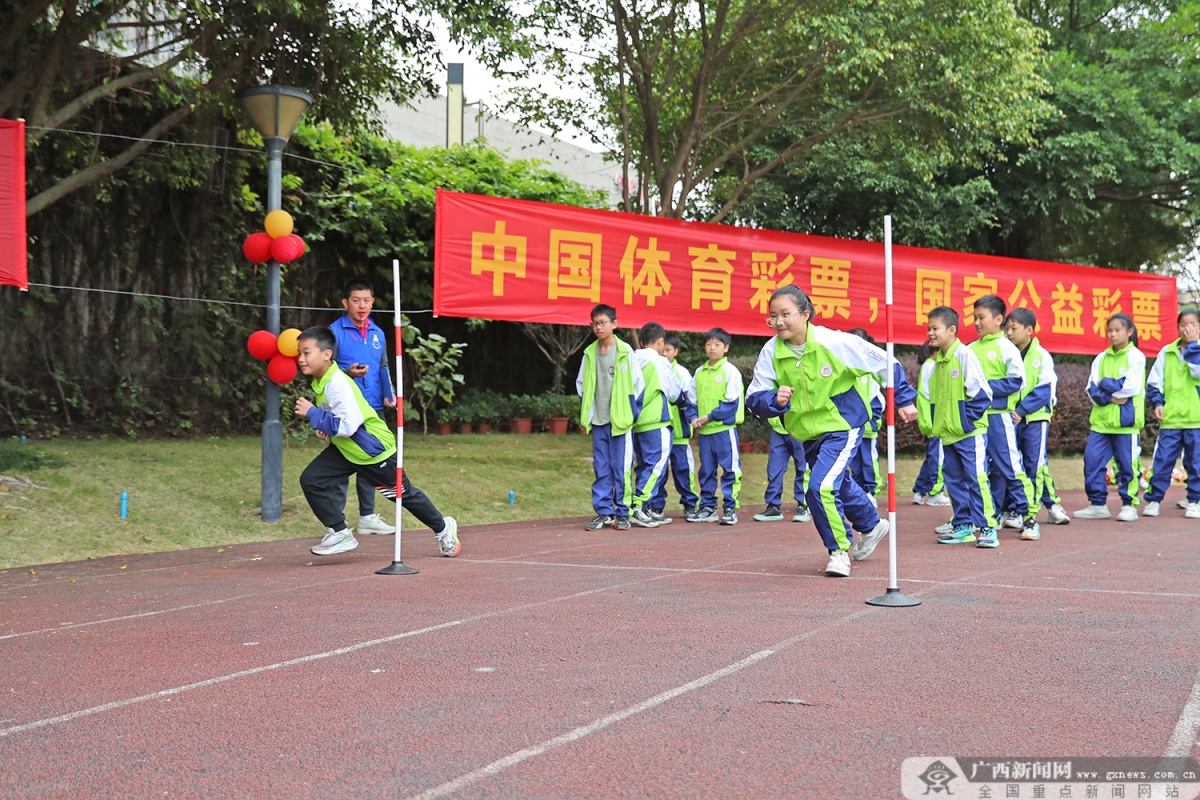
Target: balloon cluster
278 242
278 351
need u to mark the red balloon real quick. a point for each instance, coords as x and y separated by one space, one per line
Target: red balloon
299 241
262 345
281 369
286 249
257 247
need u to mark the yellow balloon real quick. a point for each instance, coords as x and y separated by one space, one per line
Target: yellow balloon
289 344
278 223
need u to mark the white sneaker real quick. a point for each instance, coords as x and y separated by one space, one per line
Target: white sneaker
866 543
1013 521
1031 531
1182 503
1093 512
944 529
939 499
839 564
448 541
335 542
1057 515
1151 509
1127 514
374 524
1193 511
918 499
802 514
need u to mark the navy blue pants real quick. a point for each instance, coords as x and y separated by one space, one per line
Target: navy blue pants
1101 448
683 472
612 465
929 479
1173 442
832 495
785 449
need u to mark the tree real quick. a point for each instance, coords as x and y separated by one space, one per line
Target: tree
697 87
73 64
1107 178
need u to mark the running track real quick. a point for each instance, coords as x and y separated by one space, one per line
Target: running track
550 662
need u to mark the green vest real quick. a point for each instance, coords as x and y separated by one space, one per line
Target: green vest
620 409
924 417
1180 390
654 415
947 395
994 368
1107 419
1035 360
371 421
678 433
818 377
710 393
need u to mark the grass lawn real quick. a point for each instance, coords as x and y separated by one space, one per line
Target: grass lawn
205 493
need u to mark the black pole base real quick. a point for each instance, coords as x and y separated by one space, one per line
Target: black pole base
894 599
396 568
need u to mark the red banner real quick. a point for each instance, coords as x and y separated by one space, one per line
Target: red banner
14 263
537 262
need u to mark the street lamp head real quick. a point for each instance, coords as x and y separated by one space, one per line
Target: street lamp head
275 110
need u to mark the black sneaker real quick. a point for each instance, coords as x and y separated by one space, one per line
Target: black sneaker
601 521
704 515
729 517
769 514
621 524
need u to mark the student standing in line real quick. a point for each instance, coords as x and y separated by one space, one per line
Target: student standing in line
959 397
652 428
1012 492
928 489
610 388
1032 414
683 460
1173 389
720 407
1117 388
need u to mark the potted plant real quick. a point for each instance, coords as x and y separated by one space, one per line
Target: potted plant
559 408
752 431
491 408
443 423
523 408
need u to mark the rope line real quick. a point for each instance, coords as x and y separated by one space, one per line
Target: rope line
207 300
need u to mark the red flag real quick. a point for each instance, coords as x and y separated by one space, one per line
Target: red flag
14 264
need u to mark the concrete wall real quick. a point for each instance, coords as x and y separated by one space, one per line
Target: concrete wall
422 123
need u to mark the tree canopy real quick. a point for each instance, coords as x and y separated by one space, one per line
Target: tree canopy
102 65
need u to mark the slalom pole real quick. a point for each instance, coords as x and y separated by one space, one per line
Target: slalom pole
892 597
397 567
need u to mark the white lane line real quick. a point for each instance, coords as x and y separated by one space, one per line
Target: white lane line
516 758
73 625
87 712
956 582
1183 740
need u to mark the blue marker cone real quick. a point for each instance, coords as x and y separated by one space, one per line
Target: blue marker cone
124 505
512 498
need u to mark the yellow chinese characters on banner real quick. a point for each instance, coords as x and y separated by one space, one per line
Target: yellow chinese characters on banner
1146 315
712 273
768 273
642 271
520 260
490 255
575 265
830 287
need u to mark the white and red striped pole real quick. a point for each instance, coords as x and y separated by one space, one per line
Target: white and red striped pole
397 567
892 597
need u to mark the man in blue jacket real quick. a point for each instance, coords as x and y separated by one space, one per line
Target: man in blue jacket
362 354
